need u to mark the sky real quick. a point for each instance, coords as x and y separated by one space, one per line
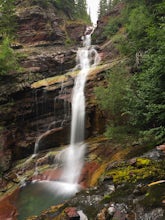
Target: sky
93 6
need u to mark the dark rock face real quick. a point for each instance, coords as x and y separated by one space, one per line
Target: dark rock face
6 141
25 112
103 21
107 45
38 25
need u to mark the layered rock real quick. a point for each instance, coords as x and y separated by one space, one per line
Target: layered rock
107 44
46 45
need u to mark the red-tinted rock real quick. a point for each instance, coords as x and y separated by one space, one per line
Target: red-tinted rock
118 215
48 175
161 147
87 172
7 210
72 213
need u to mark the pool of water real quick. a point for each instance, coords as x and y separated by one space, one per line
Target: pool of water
38 196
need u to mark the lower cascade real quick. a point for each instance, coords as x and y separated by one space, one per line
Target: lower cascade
73 156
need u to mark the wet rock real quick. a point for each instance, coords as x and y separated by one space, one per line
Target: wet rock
39 25
82 215
6 143
3 185
72 213
75 31
154 154
6 160
139 190
155 214
53 138
132 161
118 215
131 216
161 148
111 209
119 211
102 215
7 211
50 174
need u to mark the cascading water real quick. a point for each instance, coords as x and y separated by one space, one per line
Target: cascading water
86 57
55 192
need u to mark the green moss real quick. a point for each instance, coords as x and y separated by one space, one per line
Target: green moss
143 169
143 162
106 198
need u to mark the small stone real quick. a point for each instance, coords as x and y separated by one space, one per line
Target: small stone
161 147
111 209
101 215
132 161
118 215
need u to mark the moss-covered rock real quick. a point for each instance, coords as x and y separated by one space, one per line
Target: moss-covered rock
143 169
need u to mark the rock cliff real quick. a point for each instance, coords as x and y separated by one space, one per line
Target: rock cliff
46 44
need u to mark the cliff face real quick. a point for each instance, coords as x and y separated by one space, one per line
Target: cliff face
46 42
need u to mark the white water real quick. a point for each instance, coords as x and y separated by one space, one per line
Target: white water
74 155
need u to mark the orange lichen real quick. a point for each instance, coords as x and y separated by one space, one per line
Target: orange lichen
97 174
120 155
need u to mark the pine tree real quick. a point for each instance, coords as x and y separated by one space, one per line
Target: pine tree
68 6
103 7
81 9
109 4
7 18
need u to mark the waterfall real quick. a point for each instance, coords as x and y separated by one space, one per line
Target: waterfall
87 56
55 192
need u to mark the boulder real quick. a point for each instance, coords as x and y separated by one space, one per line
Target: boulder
72 214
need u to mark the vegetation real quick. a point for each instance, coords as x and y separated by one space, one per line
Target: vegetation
74 9
112 102
137 101
7 18
143 169
8 60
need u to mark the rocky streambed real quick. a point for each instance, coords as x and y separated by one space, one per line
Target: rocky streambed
115 183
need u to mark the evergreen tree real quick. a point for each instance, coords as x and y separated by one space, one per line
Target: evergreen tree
8 60
103 7
68 6
144 105
109 3
7 18
81 8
